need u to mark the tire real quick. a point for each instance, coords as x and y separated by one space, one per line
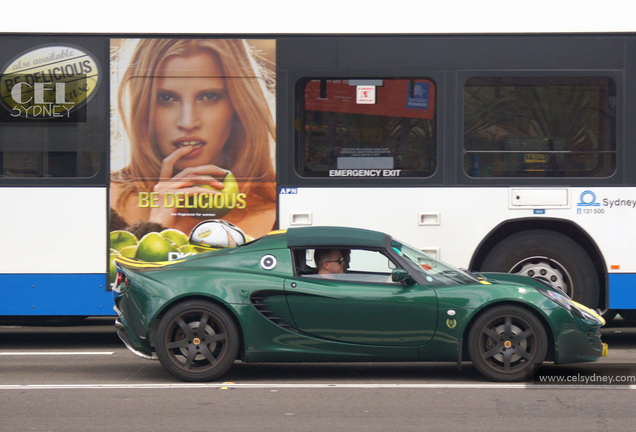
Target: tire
507 343
197 341
550 256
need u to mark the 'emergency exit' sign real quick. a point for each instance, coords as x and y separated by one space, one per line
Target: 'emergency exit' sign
365 94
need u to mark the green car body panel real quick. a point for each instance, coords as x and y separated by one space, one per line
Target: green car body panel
283 316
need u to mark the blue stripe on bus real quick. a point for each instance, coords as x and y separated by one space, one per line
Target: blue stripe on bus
622 294
87 294
55 294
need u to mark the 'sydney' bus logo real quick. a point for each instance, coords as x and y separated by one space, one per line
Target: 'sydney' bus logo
48 82
588 199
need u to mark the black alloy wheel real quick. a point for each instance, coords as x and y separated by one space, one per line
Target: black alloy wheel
197 341
507 343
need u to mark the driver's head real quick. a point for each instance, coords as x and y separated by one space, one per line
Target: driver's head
329 261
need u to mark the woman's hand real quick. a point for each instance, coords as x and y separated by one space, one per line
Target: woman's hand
183 182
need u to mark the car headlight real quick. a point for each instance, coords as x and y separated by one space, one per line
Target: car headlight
576 308
588 313
558 298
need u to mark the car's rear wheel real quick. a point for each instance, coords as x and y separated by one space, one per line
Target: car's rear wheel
506 343
197 341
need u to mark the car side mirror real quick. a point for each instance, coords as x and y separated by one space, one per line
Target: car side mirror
401 275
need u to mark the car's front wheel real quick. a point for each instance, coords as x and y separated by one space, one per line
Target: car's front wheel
506 343
197 341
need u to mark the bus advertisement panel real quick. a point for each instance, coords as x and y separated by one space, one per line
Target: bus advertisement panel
192 144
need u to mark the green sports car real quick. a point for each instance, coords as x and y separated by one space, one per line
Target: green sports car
335 294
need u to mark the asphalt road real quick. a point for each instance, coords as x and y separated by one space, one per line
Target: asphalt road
82 379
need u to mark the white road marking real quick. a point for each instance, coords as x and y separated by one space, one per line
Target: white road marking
55 353
233 386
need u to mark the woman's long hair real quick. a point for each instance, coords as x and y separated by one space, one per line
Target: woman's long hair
249 151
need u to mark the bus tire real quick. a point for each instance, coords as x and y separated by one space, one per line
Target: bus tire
550 256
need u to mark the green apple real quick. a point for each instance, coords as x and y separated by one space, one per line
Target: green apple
128 251
227 201
176 236
187 250
120 239
154 247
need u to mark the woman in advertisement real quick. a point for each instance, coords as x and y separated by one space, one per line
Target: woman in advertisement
197 115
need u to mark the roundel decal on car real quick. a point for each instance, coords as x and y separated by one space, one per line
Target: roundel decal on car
268 262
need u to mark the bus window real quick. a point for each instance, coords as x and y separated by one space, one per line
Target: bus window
539 127
367 126
44 151
48 164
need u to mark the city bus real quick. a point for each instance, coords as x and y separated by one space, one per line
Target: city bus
494 152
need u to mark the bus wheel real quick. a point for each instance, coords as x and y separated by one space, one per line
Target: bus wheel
548 256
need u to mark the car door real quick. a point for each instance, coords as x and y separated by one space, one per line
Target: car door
363 305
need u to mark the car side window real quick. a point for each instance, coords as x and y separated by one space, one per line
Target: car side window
366 261
359 265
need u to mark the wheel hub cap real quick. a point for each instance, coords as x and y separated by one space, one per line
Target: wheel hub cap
506 341
546 269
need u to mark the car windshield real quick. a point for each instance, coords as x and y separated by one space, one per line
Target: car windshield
434 270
